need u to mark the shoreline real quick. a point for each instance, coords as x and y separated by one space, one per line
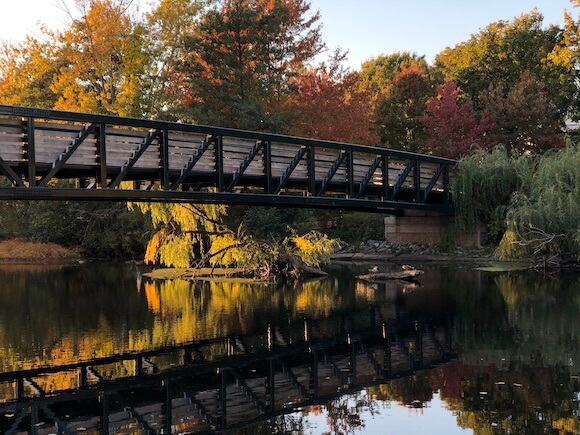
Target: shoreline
21 250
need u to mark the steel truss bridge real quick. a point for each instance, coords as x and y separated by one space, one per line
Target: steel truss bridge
221 383
48 154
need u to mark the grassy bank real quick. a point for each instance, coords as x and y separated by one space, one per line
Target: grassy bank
16 250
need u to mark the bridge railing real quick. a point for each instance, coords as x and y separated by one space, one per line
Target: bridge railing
171 161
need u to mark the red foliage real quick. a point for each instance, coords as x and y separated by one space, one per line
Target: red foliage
525 118
330 106
454 128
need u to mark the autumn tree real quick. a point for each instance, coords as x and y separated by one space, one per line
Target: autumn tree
525 117
399 112
377 74
331 106
500 53
452 126
244 62
190 235
27 71
169 24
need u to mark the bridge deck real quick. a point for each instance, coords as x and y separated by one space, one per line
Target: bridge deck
166 161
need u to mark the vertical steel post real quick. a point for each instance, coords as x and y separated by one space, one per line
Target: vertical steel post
387 366
385 171
267 167
29 147
417 181
105 418
168 407
219 162
352 357
419 345
223 399
272 385
311 171
446 191
164 157
350 174
314 373
34 419
101 136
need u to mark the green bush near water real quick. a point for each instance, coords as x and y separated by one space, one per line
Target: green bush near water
530 203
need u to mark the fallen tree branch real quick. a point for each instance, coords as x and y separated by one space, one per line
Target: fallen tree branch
299 265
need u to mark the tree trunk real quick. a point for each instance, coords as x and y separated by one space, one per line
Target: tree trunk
299 265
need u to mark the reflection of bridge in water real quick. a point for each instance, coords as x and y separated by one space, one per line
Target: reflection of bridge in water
222 383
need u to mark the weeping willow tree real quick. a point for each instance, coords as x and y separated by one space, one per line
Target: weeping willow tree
544 219
484 185
530 203
194 235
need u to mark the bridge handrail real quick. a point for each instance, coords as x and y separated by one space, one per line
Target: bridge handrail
217 131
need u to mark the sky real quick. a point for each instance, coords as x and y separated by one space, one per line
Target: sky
364 28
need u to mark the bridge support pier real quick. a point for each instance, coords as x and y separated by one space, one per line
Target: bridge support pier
429 228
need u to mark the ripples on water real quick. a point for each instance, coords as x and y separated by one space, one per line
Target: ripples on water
457 351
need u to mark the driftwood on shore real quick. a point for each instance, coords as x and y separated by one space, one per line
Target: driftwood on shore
382 276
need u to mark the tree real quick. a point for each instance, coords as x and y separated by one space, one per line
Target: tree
452 125
500 53
399 112
244 61
331 106
99 64
169 25
26 73
195 235
524 118
105 58
378 74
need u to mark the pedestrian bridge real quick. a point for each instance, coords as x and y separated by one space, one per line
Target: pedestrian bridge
48 154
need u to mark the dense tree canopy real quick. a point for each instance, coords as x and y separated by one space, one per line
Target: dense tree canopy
243 62
401 108
254 64
500 53
330 105
453 128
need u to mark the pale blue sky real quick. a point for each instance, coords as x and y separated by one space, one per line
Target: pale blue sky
366 28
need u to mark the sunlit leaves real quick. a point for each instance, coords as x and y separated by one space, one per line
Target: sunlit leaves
313 248
243 60
330 105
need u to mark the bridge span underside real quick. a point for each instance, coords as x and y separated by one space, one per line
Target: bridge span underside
46 154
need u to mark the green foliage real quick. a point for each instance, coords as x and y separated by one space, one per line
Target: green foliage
271 223
356 227
501 52
184 231
531 202
102 230
196 235
483 185
243 61
400 110
545 218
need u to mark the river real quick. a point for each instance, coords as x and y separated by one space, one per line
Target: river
99 348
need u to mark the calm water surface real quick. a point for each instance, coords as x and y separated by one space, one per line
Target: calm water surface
98 348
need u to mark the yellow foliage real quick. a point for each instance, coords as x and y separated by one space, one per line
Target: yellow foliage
567 426
153 248
313 248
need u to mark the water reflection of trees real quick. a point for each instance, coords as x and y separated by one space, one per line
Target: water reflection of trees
518 333
51 315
